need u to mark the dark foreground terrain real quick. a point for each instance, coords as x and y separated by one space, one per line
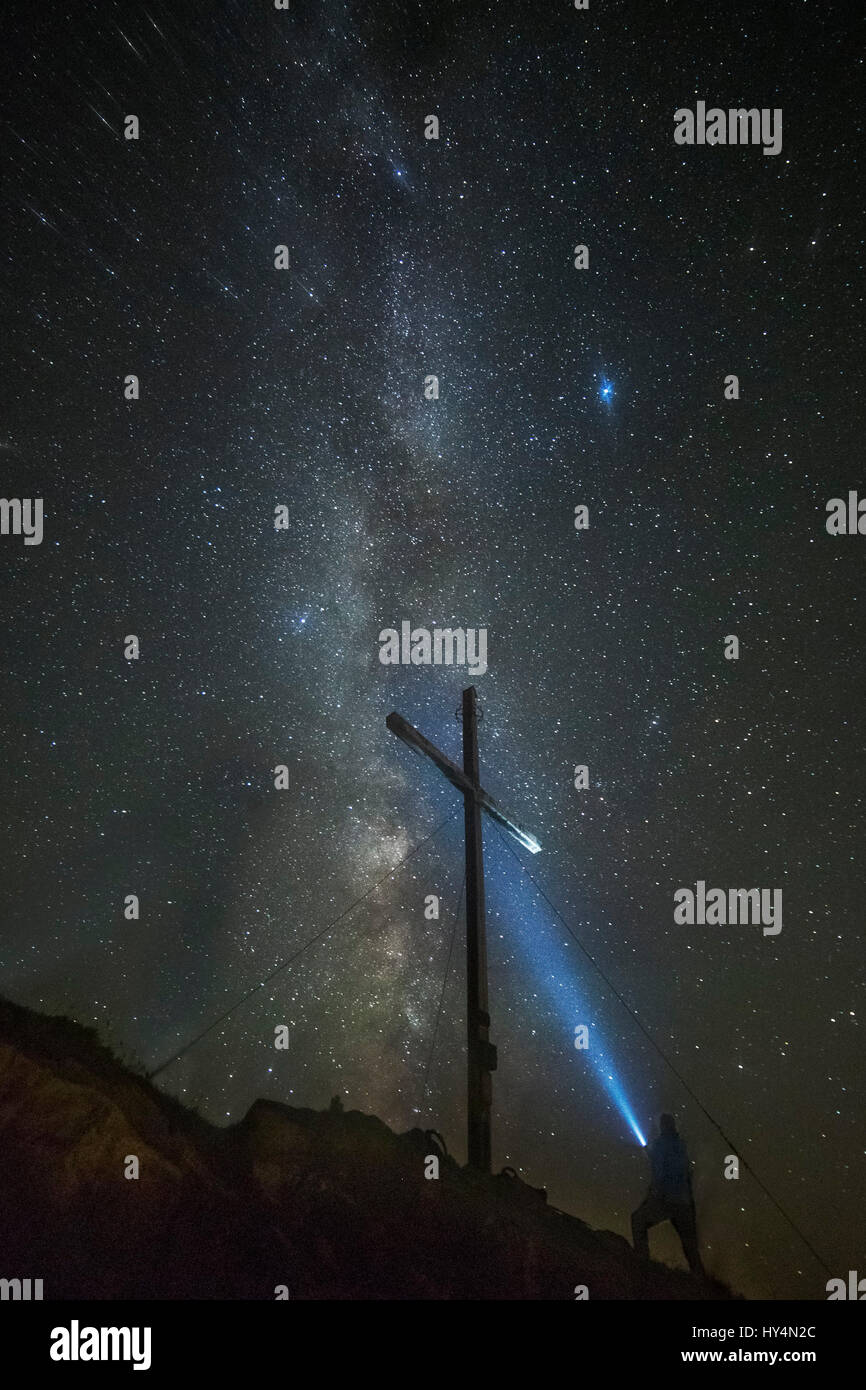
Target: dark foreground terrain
329 1205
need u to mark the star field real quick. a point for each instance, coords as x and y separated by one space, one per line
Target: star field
558 387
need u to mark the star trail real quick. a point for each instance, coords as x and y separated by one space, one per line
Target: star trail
307 389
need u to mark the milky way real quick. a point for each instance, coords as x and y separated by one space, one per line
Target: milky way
409 258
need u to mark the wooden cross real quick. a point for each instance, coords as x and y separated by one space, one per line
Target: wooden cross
481 1054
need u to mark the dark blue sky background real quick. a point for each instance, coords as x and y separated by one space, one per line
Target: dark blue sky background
411 257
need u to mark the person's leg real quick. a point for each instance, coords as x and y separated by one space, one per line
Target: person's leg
684 1222
649 1213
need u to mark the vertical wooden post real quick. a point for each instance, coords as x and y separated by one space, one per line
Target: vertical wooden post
481 1056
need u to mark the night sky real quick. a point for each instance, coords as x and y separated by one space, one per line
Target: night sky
558 387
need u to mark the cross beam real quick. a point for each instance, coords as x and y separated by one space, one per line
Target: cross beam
481 1054
419 744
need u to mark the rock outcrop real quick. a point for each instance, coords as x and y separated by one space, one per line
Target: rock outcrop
328 1205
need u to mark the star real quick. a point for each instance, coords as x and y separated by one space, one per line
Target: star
413 258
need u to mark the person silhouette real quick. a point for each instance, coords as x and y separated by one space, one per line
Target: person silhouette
670 1196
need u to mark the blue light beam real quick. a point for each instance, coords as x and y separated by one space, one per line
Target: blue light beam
549 961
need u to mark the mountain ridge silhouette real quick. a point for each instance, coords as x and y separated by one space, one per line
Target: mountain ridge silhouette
289 1202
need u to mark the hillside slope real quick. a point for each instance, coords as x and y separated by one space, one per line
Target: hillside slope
327 1204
